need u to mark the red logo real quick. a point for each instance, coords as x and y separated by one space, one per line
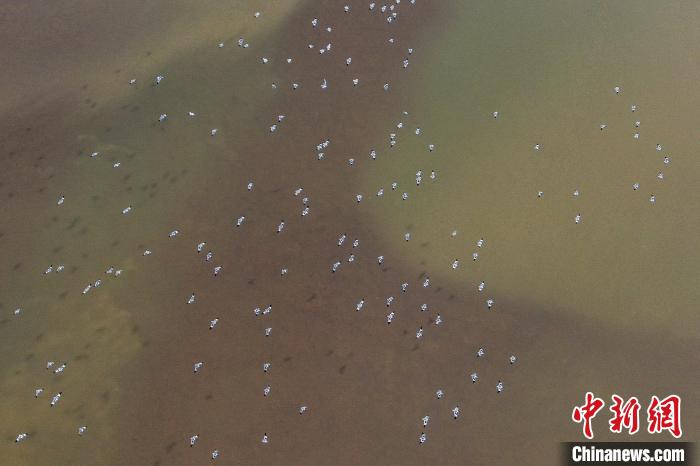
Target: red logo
586 412
625 415
665 415
662 415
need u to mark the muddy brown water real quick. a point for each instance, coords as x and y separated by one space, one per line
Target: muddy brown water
131 343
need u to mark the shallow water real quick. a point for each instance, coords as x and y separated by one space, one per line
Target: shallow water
553 86
606 305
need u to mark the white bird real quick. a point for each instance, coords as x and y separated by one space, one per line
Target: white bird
55 399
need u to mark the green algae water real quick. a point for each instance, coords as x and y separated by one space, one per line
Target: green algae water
606 305
550 69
